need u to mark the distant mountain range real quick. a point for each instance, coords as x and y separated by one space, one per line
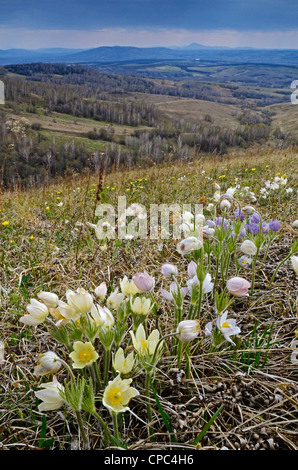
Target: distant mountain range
110 54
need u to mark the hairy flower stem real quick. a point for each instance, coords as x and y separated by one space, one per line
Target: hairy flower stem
107 360
149 410
115 425
254 271
97 375
67 367
197 309
280 264
228 259
82 431
104 426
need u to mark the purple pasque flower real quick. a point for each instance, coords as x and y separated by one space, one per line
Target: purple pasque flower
255 218
274 225
221 222
253 228
242 233
210 223
265 227
236 214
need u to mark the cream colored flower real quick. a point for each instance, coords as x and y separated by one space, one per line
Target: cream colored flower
294 260
101 291
141 305
102 316
83 354
50 299
227 326
188 330
81 301
225 204
248 247
188 245
123 364
238 286
36 313
67 312
46 364
115 299
118 394
128 287
50 396
169 270
143 345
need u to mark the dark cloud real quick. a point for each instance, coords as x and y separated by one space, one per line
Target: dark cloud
261 15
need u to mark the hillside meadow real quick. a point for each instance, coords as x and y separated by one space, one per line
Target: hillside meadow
163 343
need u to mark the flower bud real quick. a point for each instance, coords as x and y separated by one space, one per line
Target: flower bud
144 282
188 245
51 300
294 260
188 330
238 286
101 291
248 247
47 363
169 270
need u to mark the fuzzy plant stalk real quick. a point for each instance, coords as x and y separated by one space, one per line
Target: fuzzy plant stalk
115 425
294 249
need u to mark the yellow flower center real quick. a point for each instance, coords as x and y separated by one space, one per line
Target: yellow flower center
85 355
144 344
115 396
226 325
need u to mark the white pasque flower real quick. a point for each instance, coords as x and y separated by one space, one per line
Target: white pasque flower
173 292
81 301
169 270
207 284
227 326
188 245
102 316
49 299
225 204
294 260
50 396
248 247
46 364
36 313
115 299
188 330
101 291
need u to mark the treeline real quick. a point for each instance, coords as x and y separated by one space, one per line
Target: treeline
99 85
78 101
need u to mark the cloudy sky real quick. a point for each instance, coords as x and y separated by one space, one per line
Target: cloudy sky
85 24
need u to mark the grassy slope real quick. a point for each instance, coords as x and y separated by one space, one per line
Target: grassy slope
265 398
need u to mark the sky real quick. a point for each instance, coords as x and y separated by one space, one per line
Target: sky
84 24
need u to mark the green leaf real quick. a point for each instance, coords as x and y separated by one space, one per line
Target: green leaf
208 425
166 418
